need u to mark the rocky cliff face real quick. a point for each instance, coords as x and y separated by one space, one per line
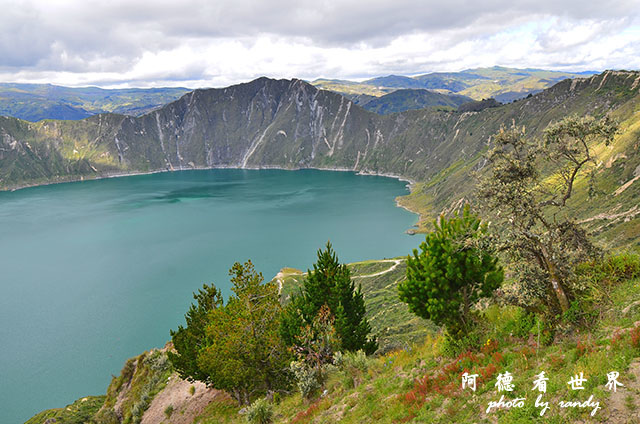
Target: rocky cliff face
280 123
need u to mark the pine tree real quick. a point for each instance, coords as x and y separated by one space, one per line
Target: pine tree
453 269
329 283
187 341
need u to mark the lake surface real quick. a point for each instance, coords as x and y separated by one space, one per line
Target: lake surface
95 272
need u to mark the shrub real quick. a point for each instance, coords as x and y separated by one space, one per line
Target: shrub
544 331
352 366
168 411
308 378
595 279
106 416
581 313
454 346
158 361
260 412
522 323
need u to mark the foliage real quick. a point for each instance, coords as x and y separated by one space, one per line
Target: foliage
131 393
234 347
158 365
189 340
421 384
463 342
608 271
79 412
168 411
593 283
454 268
260 412
314 347
522 325
330 283
352 366
243 354
537 230
392 322
318 341
308 379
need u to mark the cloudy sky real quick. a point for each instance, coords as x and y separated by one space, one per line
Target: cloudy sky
213 43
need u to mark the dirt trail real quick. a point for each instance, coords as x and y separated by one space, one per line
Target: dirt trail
186 406
395 265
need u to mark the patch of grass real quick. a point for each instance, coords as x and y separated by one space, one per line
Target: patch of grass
79 412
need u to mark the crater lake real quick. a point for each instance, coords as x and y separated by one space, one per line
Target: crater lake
98 271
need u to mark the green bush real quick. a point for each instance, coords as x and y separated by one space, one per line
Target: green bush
543 330
168 411
454 346
594 282
308 379
521 324
581 313
260 412
106 416
454 268
603 273
352 367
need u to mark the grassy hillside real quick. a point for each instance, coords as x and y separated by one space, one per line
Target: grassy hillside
420 381
408 99
34 102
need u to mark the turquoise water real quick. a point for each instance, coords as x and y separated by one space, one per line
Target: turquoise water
95 272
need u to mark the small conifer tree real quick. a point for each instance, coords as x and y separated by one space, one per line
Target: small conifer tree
450 273
330 283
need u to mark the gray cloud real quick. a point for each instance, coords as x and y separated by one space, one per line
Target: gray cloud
113 37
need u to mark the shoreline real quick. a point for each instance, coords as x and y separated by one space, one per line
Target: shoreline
410 182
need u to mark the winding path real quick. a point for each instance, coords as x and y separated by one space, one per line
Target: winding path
395 265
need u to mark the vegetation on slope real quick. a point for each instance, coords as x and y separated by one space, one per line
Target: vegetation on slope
593 333
408 99
421 382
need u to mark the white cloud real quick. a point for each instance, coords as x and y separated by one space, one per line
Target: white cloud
204 43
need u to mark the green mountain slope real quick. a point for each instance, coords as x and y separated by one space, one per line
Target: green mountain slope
34 102
410 99
291 124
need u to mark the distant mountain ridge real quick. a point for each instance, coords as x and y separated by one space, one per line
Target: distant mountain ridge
34 102
503 84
